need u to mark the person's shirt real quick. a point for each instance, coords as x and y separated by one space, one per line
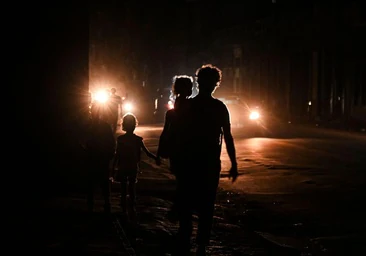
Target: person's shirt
205 124
114 102
128 151
164 145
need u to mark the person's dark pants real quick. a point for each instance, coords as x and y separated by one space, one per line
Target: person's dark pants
98 176
196 191
185 207
174 169
205 208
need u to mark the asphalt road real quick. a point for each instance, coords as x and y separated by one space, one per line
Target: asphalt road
298 181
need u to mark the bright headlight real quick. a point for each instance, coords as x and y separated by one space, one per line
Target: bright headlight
170 104
101 96
128 107
254 115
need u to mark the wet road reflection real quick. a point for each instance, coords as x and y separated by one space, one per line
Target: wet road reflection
302 183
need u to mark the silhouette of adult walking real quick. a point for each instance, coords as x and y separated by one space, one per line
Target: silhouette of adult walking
100 147
115 104
206 125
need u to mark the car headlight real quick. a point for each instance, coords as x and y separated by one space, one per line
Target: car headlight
128 107
170 104
101 96
254 115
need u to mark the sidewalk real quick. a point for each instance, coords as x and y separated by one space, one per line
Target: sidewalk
357 127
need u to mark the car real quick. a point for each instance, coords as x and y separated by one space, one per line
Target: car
163 102
248 117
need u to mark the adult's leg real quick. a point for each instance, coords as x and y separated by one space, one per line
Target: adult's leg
90 193
114 122
185 205
206 206
173 213
92 182
105 184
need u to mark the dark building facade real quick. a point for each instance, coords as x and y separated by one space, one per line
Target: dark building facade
54 97
306 62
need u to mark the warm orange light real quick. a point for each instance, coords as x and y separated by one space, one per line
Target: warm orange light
254 115
101 96
128 107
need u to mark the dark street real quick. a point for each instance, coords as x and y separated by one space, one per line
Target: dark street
286 79
303 183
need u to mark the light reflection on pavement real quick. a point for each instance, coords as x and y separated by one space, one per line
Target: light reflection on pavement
315 178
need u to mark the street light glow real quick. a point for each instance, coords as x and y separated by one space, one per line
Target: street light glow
128 107
101 96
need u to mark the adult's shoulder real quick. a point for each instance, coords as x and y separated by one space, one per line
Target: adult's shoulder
117 98
139 138
120 137
211 101
219 103
169 115
170 112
